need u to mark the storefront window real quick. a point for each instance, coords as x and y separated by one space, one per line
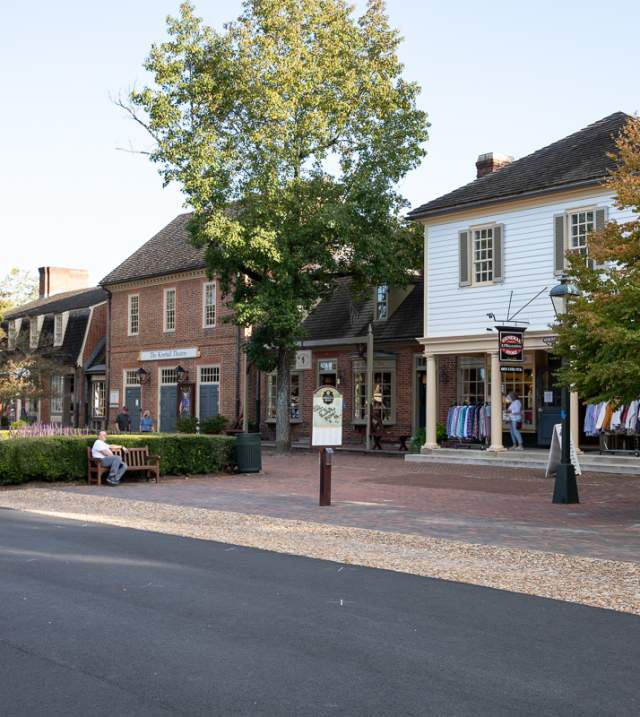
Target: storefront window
383 394
97 399
523 385
295 396
327 372
57 393
471 380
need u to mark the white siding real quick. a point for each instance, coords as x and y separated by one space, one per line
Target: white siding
452 310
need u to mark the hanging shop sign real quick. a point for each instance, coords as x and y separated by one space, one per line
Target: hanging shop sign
511 343
303 360
327 417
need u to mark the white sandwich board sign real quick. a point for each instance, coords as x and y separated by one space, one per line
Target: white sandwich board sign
327 417
555 453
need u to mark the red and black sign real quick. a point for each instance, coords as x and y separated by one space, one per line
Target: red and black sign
511 343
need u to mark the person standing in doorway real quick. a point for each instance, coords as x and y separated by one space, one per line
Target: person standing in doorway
123 420
515 420
146 422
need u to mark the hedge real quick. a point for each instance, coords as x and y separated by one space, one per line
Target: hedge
65 457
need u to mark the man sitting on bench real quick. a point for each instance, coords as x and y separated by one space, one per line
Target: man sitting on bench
103 452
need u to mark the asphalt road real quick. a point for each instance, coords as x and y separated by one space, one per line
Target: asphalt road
96 620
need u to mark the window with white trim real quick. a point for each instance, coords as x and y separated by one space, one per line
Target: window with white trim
131 377
168 376
209 374
209 304
56 395
58 329
482 255
295 396
169 309
580 225
327 372
33 333
383 393
97 398
382 302
13 334
133 326
471 380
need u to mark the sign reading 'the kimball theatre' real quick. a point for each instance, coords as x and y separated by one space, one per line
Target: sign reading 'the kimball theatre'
511 343
327 417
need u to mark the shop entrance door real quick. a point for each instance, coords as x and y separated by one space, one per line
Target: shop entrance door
168 403
132 402
549 400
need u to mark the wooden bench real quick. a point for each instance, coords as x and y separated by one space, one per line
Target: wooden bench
137 459
401 441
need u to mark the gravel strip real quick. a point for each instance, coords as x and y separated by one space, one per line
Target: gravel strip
590 581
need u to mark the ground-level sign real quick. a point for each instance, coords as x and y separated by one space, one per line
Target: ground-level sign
327 417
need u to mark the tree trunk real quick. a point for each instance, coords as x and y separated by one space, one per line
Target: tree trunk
283 410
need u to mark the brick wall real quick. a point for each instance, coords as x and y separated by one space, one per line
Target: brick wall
217 345
353 433
447 385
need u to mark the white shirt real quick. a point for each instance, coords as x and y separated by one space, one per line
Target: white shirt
98 447
515 409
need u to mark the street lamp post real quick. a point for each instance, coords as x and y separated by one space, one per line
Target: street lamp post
565 489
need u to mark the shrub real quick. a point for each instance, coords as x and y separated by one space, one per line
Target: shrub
213 426
187 424
420 436
19 425
65 457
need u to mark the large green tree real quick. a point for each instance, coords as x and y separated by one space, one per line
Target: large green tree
17 287
288 131
600 335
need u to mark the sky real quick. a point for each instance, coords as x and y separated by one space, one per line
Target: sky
496 76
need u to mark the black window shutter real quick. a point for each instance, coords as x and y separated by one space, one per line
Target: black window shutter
558 244
464 258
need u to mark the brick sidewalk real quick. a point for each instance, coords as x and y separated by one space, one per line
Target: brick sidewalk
475 504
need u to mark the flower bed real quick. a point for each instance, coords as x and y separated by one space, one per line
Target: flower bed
54 458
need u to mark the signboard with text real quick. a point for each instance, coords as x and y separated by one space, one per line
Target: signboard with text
327 417
511 343
168 354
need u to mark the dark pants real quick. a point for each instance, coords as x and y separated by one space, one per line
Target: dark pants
117 467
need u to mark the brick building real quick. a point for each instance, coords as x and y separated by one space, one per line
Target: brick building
170 350
66 327
334 352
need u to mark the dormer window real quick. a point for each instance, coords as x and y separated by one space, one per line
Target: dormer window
58 329
13 333
33 333
382 302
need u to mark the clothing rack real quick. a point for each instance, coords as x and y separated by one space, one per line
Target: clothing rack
469 426
617 429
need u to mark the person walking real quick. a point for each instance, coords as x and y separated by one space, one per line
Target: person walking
146 422
515 420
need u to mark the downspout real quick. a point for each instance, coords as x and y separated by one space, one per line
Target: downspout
238 370
107 397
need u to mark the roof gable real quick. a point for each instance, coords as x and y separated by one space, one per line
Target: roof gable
168 252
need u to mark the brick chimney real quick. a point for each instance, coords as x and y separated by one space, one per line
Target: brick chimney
57 279
491 162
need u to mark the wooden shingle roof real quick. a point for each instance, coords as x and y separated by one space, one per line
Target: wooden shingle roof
577 160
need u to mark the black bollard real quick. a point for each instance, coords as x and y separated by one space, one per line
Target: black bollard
325 476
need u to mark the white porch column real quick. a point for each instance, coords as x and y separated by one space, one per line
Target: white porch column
575 420
432 403
496 403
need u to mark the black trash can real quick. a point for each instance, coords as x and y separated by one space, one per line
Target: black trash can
249 452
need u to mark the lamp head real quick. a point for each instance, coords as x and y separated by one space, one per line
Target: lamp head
562 294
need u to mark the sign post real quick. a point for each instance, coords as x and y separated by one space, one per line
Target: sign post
327 431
